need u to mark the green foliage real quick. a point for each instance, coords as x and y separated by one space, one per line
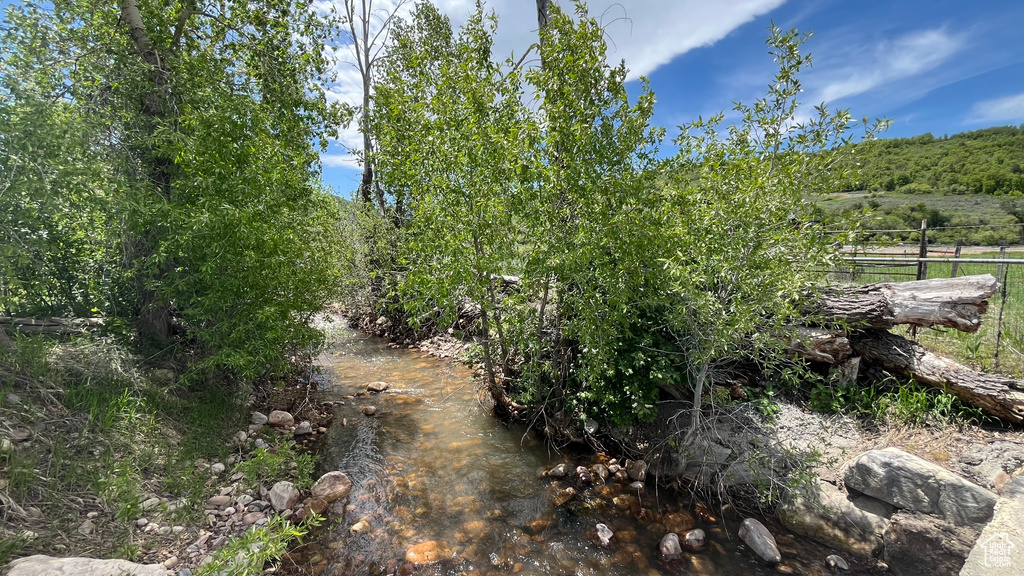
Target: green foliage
247 554
283 461
650 274
906 403
170 171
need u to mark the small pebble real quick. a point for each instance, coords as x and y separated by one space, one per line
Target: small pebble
141 522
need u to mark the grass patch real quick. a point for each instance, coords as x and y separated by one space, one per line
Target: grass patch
90 437
895 402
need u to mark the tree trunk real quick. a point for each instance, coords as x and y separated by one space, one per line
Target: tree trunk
154 318
951 302
996 395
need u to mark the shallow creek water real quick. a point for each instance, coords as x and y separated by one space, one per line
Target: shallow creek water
433 465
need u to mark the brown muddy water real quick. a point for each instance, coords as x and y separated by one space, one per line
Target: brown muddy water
433 468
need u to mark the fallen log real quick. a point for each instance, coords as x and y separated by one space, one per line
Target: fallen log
820 345
951 302
997 395
49 325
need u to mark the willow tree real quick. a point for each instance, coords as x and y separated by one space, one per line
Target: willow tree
212 117
449 123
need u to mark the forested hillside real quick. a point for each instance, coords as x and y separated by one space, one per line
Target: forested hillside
968 186
980 162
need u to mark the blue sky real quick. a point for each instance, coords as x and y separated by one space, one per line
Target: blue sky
939 66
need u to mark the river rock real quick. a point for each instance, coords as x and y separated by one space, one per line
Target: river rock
332 486
669 546
219 501
561 494
428 552
622 476
369 410
679 522
583 476
601 471
924 545
48 566
637 470
760 540
280 418
258 418
283 496
559 471
377 387
999 551
304 428
361 526
695 540
604 535
836 561
909 482
824 513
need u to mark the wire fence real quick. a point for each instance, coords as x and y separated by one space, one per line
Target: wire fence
999 344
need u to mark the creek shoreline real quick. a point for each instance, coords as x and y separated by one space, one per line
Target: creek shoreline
889 536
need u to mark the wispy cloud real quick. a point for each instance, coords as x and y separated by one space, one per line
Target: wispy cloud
1006 109
885 63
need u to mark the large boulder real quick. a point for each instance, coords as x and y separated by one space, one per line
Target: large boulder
999 551
760 540
47 566
912 483
283 496
826 514
332 486
923 545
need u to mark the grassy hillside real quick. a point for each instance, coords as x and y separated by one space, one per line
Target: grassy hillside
968 186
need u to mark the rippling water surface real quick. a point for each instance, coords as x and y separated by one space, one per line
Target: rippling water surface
434 469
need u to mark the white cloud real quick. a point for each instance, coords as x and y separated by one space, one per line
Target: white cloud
885 63
1009 109
341 161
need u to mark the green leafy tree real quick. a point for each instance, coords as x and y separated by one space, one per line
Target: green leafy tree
203 122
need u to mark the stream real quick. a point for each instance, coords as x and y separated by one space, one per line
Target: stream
435 472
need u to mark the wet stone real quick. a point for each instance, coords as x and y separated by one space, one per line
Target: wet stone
377 387
369 410
428 552
559 471
760 540
604 536
694 540
258 418
669 546
836 561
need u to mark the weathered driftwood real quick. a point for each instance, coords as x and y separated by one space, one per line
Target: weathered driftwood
951 302
49 325
999 396
820 345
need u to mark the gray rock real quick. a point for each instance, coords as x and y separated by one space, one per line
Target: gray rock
13 400
695 540
141 522
669 546
601 471
559 471
280 418
837 562
583 476
590 427
258 418
303 428
637 470
369 410
47 566
185 572
218 501
218 468
923 545
332 486
824 513
261 444
244 500
377 387
760 540
604 535
283 496
86 527
241 436
909 482
999 551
